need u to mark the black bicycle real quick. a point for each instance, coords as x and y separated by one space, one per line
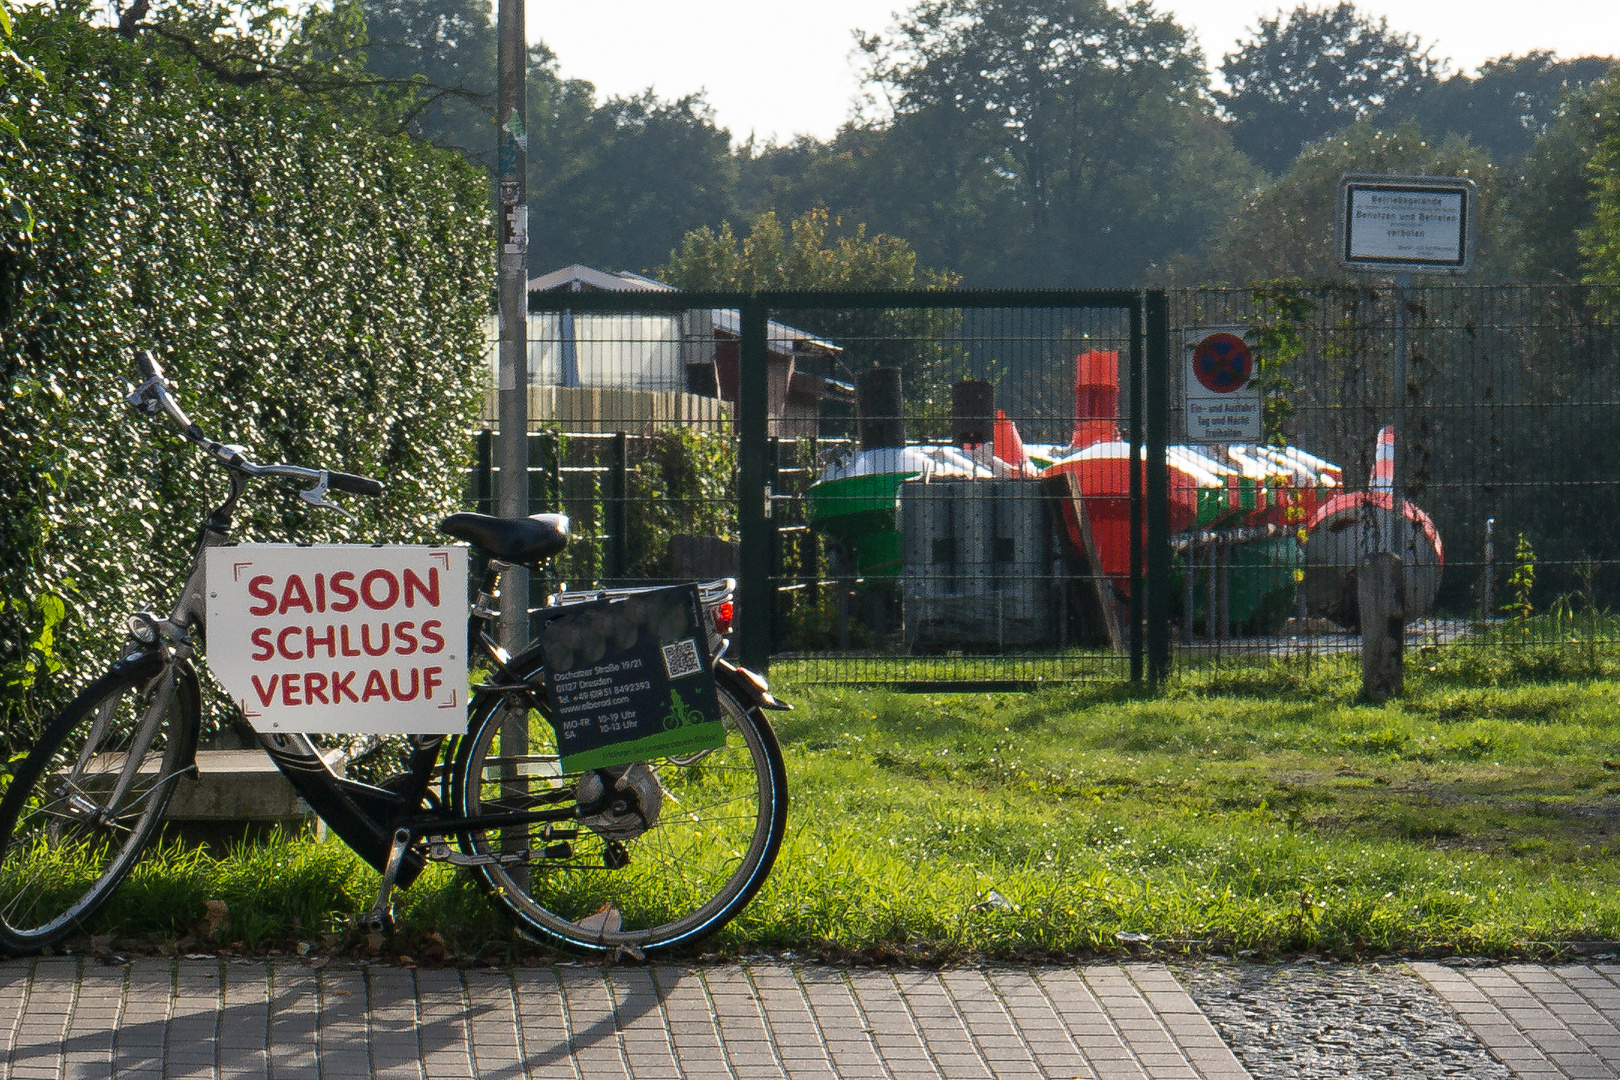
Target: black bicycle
627 859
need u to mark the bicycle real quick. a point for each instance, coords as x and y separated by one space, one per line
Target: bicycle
621 860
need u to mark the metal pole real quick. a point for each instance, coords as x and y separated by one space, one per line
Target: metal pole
512 227
511 145
1156 414
1137 607
1397 538
753 517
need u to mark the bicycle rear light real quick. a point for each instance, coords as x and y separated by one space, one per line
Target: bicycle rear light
722 617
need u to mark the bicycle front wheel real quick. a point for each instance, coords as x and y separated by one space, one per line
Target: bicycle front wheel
87 799
667 857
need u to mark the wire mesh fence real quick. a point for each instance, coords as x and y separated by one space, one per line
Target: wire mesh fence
1509 483
937 489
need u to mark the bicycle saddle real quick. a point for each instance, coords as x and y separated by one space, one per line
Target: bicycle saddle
523 541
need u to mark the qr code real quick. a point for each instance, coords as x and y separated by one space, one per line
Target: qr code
681 659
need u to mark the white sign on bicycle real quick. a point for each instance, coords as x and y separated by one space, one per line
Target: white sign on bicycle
341 638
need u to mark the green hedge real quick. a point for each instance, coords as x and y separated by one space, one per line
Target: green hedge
317 290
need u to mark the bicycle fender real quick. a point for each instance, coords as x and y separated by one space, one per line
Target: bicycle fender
188 748
148 664
748 686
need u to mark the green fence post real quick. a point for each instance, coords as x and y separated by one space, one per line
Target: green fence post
1135 468
809 541
773 477
1158 486
753 524
617 513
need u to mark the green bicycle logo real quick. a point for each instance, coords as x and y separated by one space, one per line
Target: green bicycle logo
680 713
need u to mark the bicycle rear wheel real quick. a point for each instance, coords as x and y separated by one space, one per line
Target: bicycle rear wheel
611 881
67 835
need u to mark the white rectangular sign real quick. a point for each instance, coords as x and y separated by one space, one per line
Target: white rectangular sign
1223 402
341 638
1406 223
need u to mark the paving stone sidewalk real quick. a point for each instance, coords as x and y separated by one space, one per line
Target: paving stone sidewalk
66 1017
287 1020
1541 1022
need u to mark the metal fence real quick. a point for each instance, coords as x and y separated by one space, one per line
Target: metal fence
936 488
1509 477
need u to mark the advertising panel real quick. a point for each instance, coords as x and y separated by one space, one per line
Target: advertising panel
341 638
631 679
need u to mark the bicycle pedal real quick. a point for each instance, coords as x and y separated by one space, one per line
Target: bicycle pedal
373 922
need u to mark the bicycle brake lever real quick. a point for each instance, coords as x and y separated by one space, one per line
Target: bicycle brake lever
316 496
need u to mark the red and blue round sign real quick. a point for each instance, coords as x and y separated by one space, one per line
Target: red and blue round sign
1222 363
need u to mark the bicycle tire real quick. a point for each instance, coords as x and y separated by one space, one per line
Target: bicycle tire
682 879
61 851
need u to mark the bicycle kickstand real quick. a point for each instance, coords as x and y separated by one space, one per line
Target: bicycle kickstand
380 919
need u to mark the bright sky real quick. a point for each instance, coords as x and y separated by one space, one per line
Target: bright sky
780 68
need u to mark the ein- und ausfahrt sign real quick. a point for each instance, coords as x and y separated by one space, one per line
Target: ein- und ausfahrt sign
1223 404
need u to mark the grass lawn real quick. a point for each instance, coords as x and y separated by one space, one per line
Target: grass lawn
1249 810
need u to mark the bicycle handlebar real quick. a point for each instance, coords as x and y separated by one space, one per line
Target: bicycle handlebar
154 393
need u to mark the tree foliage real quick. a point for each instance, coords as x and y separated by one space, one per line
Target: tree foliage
1286 228
619 184
615 183
816 252
1600 238
444 53
1052 141
1510 103
1551 201
1313 72
805 255
317 289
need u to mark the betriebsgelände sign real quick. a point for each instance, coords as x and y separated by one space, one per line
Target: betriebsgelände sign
1413 224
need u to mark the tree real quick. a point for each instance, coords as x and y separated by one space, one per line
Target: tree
808 254
618 185
1600 239
1286 228
815 251
1045 141
1553 200
613 183
1511 102
448 49
1312 72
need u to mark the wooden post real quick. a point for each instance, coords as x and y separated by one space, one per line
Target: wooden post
1381 595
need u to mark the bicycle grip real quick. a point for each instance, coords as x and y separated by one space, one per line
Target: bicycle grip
354 485
149 368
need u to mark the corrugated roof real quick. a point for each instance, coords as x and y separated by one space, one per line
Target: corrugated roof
780 336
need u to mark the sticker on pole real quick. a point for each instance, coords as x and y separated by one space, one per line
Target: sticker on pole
631 679
1223 406
341 638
